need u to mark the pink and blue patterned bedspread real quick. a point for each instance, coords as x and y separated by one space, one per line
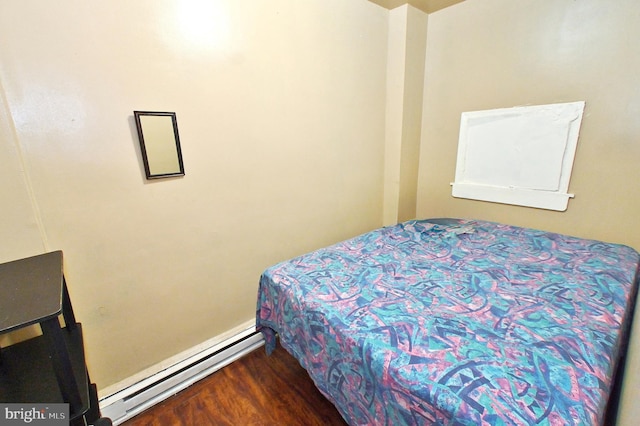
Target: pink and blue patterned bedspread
456 322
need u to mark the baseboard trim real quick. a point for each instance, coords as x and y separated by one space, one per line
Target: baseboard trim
134 399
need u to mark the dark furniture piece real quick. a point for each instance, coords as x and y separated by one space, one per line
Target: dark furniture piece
49 368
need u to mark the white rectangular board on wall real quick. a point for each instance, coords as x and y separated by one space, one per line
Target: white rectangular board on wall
521 156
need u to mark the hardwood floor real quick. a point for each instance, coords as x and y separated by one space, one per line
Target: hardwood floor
254 390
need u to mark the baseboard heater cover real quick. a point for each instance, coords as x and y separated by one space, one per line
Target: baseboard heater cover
134 399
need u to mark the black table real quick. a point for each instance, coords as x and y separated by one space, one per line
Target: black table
49 368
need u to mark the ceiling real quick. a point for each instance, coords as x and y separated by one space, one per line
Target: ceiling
427 6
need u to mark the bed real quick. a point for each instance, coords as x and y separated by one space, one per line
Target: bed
462 322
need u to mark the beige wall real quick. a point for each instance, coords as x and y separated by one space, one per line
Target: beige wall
496 53
280 107
19 230
407 37
484 54
416 39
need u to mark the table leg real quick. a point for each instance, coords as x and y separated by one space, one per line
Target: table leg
62 364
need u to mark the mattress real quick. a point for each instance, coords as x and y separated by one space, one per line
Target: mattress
460 322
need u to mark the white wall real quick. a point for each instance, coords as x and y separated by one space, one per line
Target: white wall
280 107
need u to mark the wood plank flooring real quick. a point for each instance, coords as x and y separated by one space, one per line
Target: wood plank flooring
255 390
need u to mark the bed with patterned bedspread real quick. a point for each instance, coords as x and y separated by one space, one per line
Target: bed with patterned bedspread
457 322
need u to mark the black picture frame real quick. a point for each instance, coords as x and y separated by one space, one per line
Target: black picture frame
159 144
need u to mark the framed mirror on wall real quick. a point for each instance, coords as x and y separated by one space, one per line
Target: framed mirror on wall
159 144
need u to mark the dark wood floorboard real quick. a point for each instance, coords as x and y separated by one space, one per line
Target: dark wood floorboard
255 390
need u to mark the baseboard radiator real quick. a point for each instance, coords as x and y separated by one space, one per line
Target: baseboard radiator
144 394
